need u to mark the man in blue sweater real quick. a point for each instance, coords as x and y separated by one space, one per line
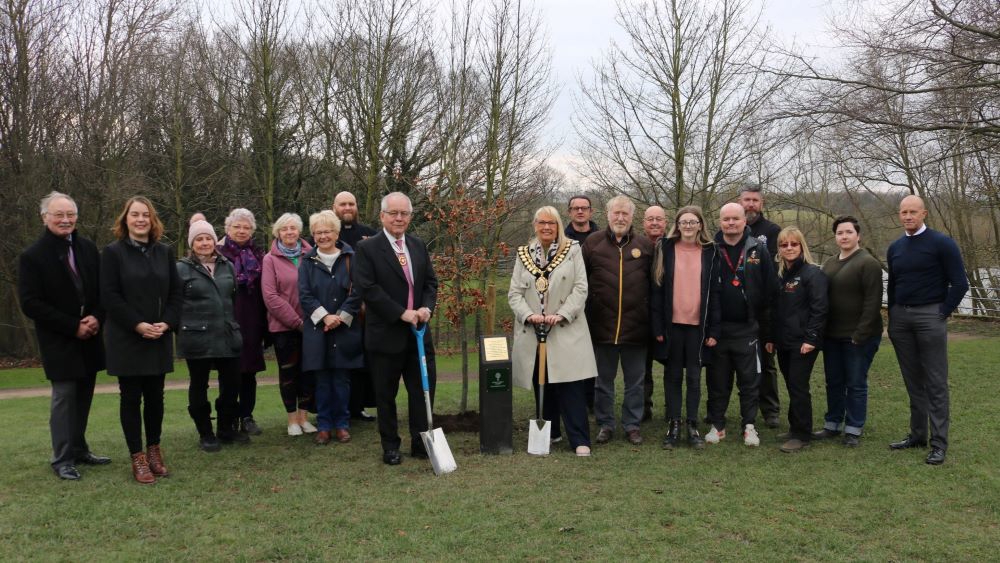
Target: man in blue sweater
926 282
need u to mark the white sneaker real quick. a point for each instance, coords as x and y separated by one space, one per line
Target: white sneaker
714 435
750 436
294 430
307 427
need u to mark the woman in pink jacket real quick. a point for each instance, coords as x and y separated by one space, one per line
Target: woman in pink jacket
280 284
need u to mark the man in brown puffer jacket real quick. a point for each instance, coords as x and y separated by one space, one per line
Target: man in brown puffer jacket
618 264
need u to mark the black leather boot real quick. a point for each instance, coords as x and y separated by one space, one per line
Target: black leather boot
202 416
229 425
694 437
673 435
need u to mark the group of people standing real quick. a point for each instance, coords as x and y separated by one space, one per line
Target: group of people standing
333 309
736 304
341 311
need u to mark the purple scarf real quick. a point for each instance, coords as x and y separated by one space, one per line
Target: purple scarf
246 262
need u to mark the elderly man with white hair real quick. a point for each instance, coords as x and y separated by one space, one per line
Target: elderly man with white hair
57 288
618 264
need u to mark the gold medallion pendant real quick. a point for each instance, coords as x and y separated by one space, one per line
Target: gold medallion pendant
542 285
541 276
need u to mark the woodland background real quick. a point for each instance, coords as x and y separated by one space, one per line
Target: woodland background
277 105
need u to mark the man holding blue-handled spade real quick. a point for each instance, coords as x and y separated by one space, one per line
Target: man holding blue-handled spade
395 277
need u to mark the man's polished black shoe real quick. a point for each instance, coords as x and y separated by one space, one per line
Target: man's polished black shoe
391 457
907 443
67 472
90 459
936 457
419 453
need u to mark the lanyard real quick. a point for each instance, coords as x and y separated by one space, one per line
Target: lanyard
737 267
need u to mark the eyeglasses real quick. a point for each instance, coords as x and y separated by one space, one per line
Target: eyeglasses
688 223
323 233
395 214
655 220
579 208
789 244
70 215
546 223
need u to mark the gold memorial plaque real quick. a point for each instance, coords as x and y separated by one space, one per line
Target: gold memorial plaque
495 349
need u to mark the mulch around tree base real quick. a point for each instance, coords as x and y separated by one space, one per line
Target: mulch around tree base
461 422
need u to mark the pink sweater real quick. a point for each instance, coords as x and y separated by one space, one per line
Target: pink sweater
279 281
687 284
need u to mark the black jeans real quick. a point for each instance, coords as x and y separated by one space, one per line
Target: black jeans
229 379
685 357
298 389
141 401
797 369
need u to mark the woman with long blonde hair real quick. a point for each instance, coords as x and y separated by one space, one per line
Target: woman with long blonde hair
684 328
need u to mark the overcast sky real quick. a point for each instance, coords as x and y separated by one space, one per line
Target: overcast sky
581 30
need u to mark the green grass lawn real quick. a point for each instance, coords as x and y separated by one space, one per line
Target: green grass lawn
283 498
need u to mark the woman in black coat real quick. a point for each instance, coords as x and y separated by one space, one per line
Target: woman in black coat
331 335
247 259
209 336
799 323
141 293
685 317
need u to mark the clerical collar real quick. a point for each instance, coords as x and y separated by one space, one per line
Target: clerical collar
919 231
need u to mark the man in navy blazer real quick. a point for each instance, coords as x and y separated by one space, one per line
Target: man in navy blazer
58 289
395 277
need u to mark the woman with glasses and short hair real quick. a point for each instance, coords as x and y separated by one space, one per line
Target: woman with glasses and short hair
280 286
799 324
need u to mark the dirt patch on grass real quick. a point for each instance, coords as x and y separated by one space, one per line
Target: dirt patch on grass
461 422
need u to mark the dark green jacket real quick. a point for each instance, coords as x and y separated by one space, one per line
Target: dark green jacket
208 326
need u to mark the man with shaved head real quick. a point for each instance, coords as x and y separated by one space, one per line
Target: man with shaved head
926 283
654 226
345 206
744 293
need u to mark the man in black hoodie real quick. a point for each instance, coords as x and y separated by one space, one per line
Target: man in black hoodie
765 231
746 287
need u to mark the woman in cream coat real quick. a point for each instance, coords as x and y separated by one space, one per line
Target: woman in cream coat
549 285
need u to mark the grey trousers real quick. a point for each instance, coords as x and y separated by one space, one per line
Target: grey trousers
68 419
633 362
919 335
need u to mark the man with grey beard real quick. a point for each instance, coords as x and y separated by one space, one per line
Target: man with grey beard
618 264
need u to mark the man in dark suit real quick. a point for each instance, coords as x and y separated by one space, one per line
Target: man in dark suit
345 205
58 290
394 275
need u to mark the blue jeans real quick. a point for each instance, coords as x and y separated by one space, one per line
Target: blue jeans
846 365
333 391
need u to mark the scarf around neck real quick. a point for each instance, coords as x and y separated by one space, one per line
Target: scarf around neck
245 262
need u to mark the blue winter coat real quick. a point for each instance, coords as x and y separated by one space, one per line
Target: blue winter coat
331 289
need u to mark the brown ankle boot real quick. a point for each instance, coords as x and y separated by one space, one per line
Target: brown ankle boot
140 469
156 461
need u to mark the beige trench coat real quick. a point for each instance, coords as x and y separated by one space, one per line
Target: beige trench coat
569 349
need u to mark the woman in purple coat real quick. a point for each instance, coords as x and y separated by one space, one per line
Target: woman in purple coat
247 259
